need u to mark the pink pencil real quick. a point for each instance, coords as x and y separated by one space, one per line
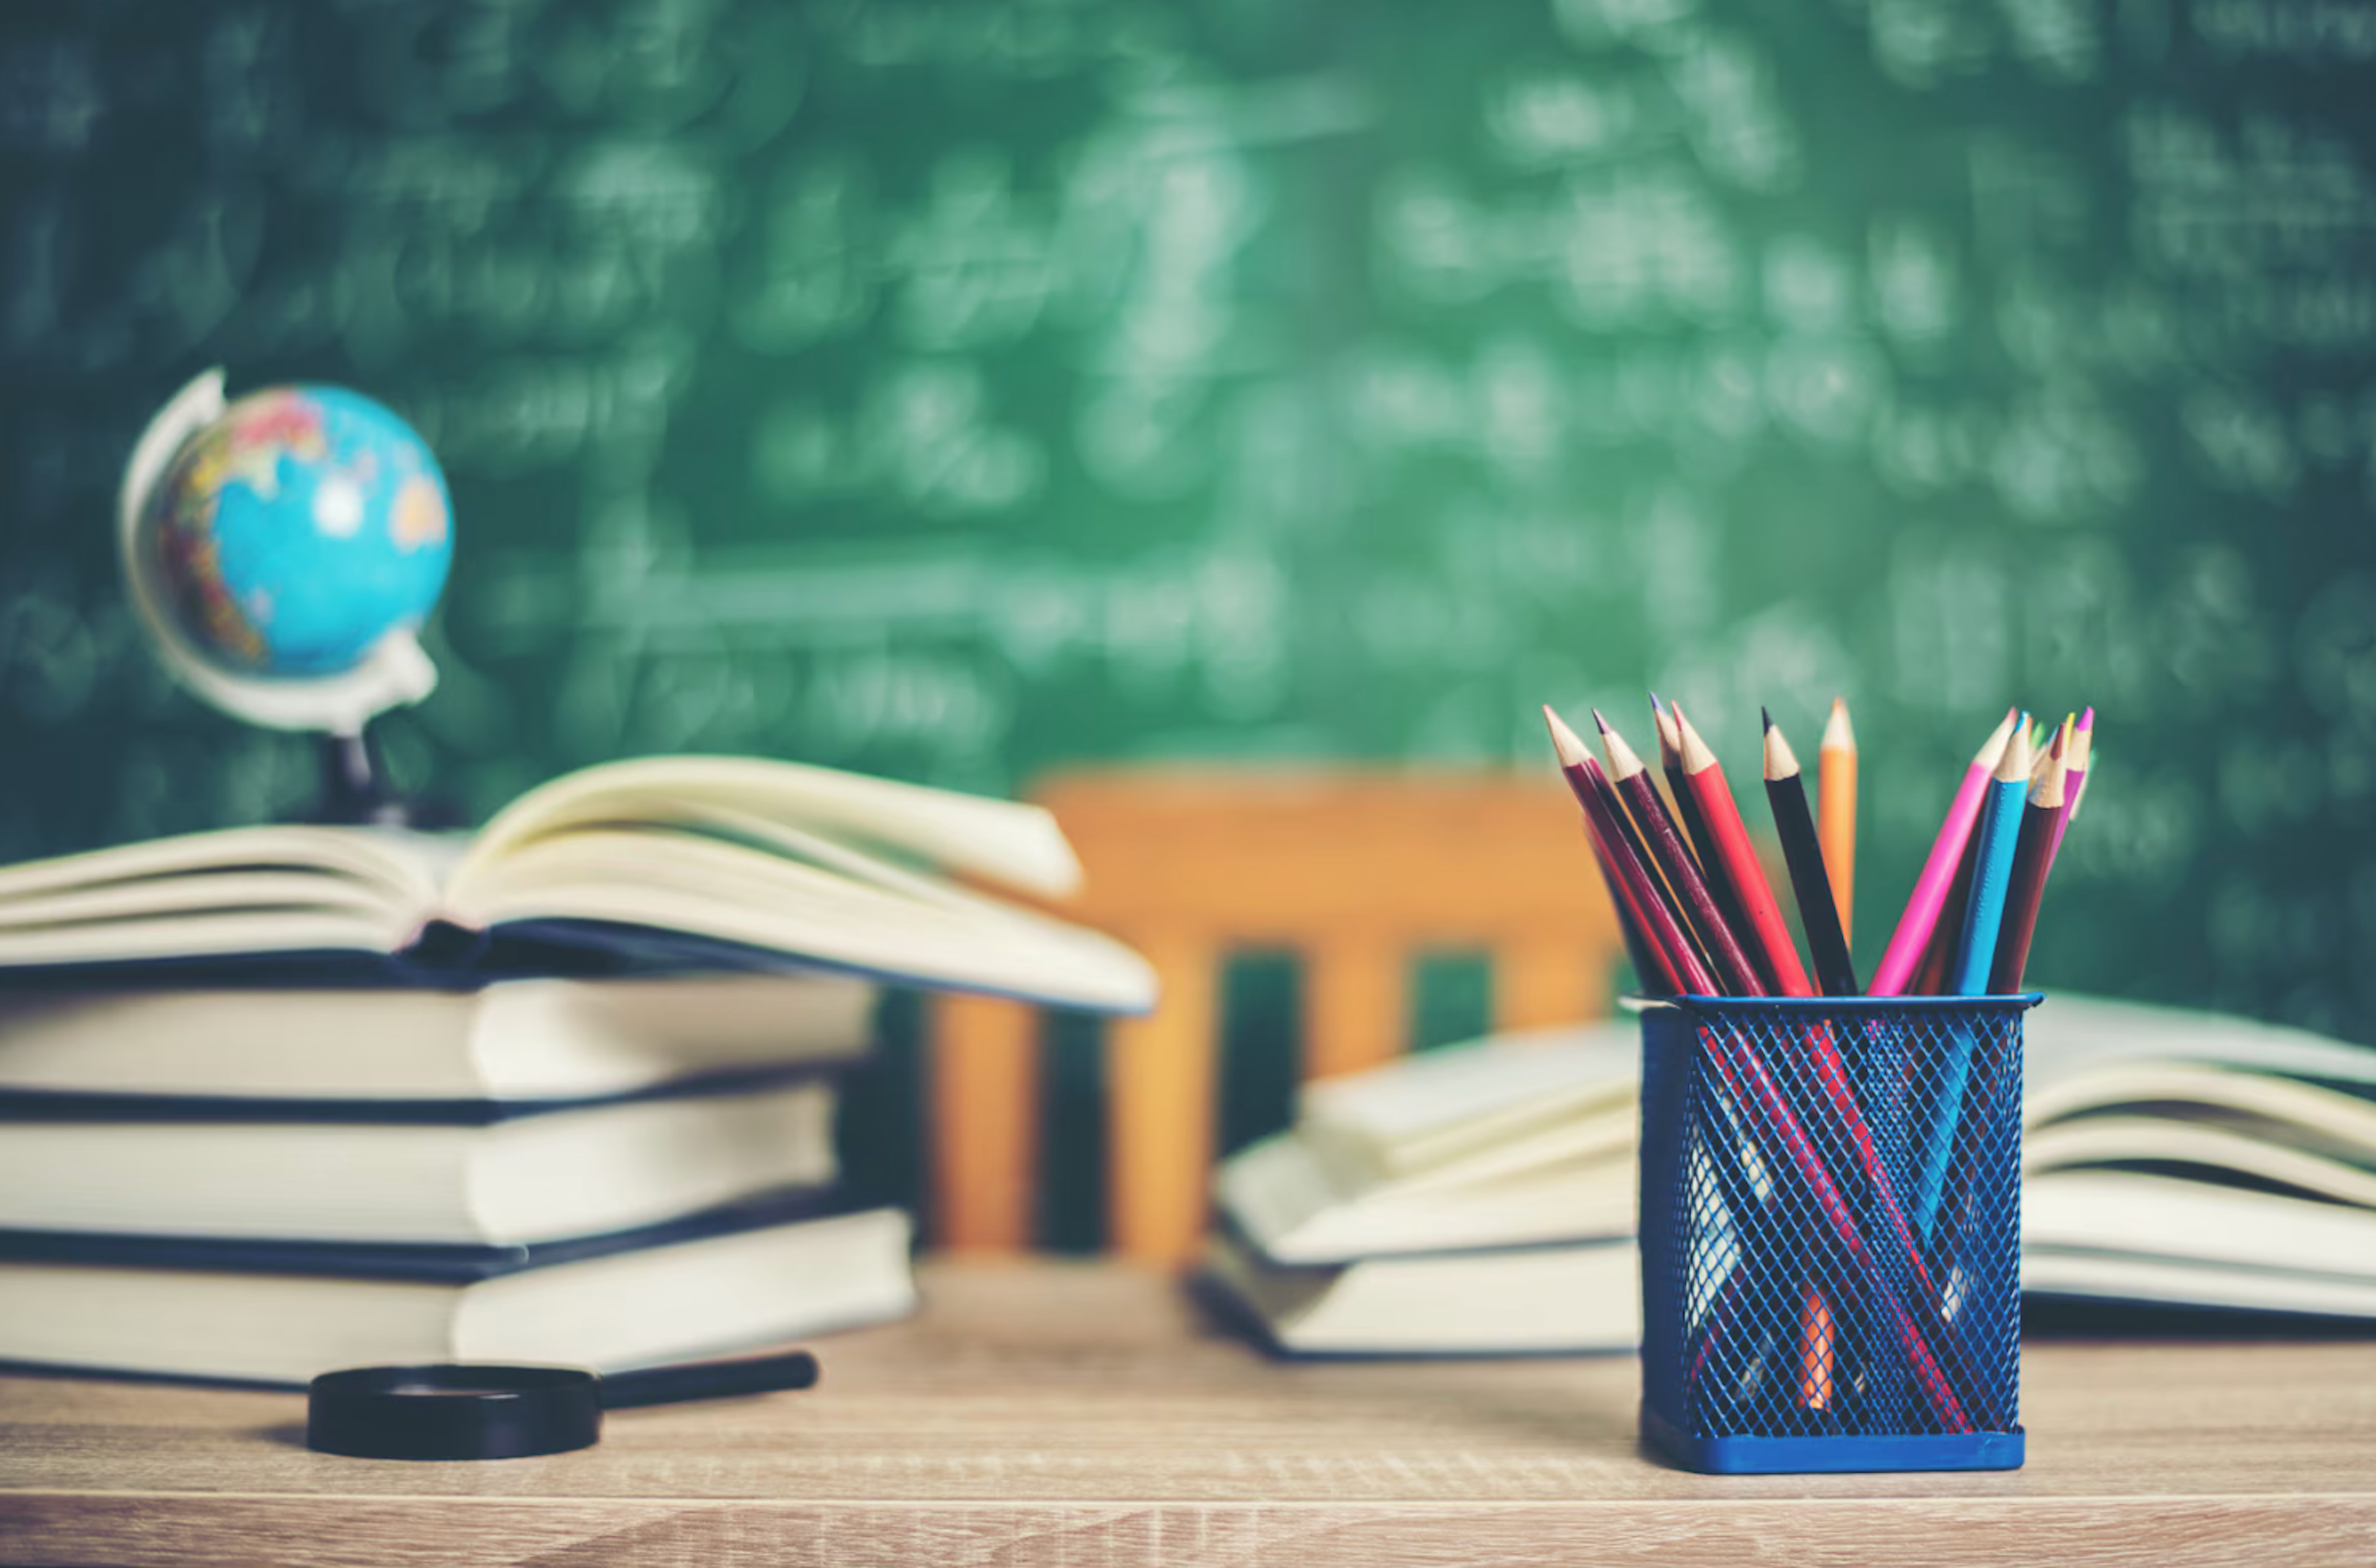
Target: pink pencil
2083 741
1914 927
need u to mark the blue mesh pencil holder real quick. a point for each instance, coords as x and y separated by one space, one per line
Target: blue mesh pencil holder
1831 1232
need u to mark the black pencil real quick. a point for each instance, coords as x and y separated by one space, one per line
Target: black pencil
1818 911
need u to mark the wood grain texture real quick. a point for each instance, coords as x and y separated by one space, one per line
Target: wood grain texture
1082 1415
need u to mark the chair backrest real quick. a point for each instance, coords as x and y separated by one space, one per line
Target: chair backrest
1357 873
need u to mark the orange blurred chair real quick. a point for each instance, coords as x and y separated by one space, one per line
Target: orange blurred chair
1356 872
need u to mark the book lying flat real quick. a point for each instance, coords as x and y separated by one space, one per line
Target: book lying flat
524 1174
666 862
527 1040
733 1280
1525 1300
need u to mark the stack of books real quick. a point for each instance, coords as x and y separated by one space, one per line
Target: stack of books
285 1099
1479 1199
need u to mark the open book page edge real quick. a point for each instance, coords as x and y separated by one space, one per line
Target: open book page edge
2073 1034
709 889
2330 1117
2134 1140
1005 841
405 867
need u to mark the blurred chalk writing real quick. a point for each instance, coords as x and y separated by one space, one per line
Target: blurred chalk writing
957 388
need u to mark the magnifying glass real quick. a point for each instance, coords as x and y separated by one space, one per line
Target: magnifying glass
466 1410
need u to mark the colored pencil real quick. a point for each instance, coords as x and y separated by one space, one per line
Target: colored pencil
1585 781
1835 811
2077 785
1651 970
1819 912
1993 844
1999 832
1631 777
2033 856
1687 809
2074 778
1632 832
1938 875
1738 860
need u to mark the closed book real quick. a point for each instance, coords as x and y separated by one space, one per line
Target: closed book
659 864
758 1274
524 1039
466 1173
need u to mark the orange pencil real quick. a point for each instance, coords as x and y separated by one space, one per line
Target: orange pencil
1835 808
1738 860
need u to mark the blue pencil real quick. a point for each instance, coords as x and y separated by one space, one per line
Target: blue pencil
1999 832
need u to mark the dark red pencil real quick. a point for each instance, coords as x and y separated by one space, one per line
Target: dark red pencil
2041 822
1631 778
1586 781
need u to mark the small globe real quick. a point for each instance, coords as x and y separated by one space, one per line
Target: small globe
293 534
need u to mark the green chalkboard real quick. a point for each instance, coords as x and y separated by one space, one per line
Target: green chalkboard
960 388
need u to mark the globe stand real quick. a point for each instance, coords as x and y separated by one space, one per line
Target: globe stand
354 787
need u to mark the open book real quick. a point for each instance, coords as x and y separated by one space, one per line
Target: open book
2169 1157
656 864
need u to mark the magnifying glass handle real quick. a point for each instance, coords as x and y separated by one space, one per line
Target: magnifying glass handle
710 1380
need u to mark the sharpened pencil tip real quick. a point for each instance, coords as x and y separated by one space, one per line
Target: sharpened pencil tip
1765 719
1992 750
1838 735
1780 761
1696 757
1602 722
2087 720
1564 741
2017 760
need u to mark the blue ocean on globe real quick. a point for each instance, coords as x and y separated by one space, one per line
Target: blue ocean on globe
297 529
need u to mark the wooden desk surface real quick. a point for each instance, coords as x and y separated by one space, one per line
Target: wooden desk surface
1078 1415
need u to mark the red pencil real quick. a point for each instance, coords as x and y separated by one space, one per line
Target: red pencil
1704 777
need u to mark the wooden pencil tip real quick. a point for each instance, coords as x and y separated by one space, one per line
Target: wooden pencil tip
1660 708
1837 734
1696 757
1992 750
1599 721
2015 766
2046 786
1624 760
2087 721
1564 741
1781 762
